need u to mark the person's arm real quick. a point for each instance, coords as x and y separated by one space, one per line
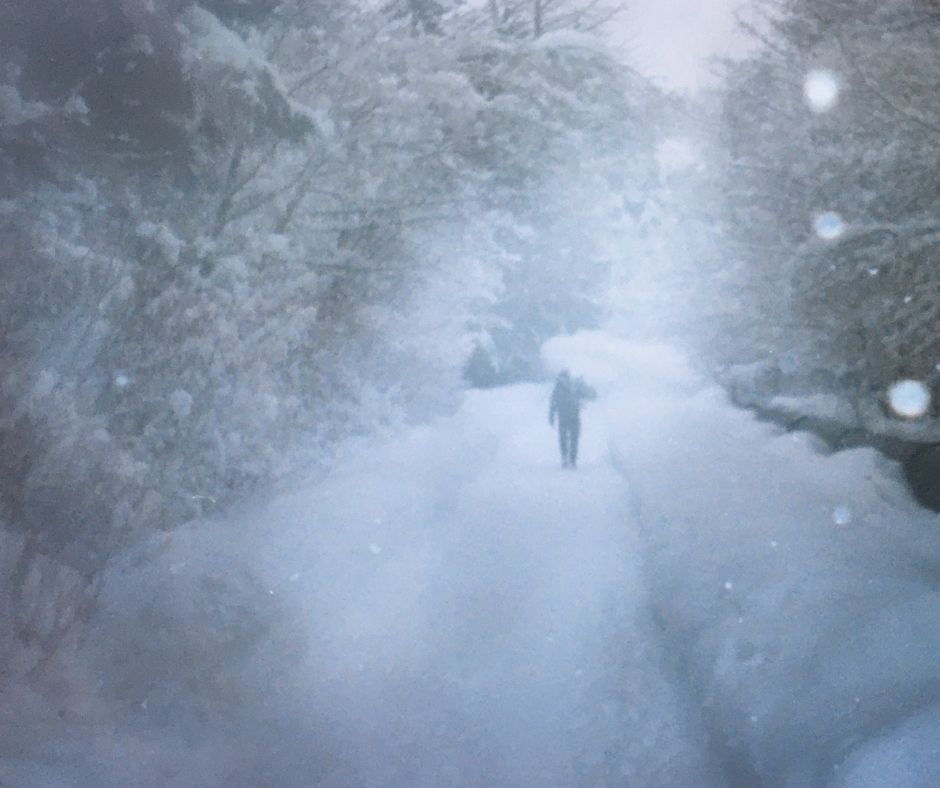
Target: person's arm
553 407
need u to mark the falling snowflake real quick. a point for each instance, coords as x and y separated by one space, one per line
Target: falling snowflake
909 399
821 90
729 585
841 515
829 225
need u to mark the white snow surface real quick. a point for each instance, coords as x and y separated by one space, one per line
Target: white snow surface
14 110
450 607
830 407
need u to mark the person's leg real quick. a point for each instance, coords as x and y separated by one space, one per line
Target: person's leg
563 441
573 443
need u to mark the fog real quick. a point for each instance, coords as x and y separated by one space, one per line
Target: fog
468 394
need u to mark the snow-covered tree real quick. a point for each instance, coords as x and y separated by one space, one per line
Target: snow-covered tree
236 233
829 132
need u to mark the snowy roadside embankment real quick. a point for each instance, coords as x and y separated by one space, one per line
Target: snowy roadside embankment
797 591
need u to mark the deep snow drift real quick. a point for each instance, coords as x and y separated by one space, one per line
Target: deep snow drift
704 602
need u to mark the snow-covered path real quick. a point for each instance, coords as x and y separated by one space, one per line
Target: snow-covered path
703 602
482 620
459 611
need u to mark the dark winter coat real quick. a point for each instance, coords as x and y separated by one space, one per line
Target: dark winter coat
566 400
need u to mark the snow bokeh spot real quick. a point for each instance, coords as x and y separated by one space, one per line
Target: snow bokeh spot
821 90
829 225
842 515
909 399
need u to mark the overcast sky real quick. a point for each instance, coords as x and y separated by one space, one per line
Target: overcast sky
671 40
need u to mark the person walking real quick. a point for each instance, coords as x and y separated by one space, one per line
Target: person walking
566 405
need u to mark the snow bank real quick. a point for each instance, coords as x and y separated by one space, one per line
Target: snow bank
907 755
827 407
790 585
607 361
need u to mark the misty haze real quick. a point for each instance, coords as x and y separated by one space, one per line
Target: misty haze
428 393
